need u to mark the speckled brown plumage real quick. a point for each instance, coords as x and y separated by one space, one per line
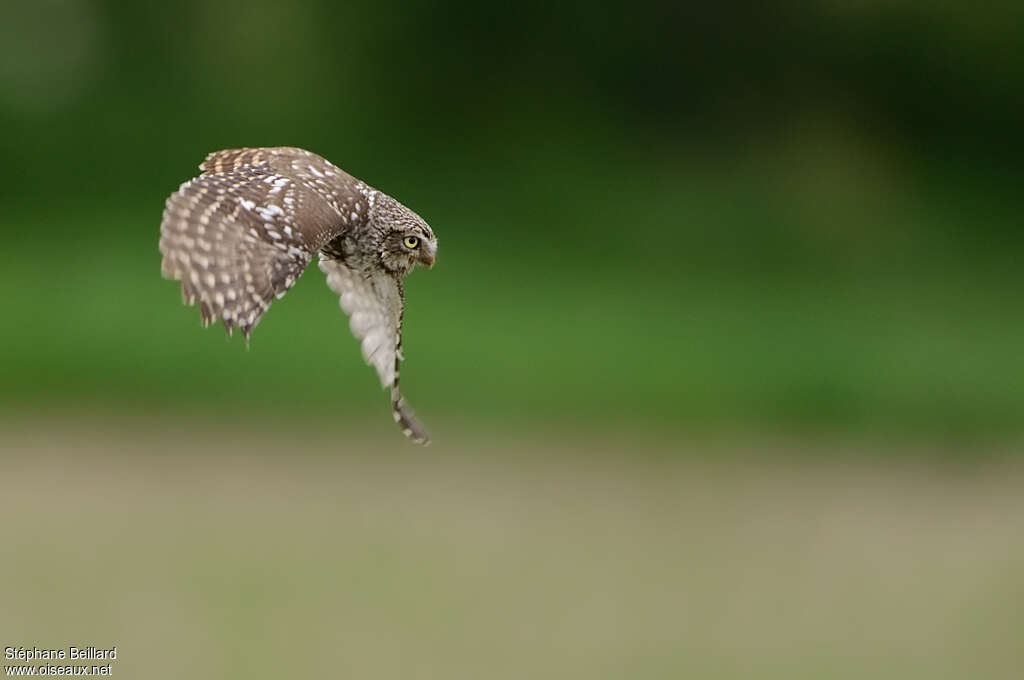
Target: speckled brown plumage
238 236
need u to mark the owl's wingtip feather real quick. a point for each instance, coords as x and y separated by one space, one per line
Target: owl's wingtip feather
422 439
407 420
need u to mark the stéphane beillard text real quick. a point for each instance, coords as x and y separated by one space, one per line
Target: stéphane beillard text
33 653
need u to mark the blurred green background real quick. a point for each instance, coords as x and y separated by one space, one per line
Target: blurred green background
686 249
737 215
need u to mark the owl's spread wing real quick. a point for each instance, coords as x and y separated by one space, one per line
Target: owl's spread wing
240 235
375 303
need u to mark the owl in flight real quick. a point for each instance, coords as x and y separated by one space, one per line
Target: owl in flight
240 234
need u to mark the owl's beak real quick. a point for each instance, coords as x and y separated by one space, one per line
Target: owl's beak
428 258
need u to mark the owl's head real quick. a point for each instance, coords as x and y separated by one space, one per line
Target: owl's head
405 239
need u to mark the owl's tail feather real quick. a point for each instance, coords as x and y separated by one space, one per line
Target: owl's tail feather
407 420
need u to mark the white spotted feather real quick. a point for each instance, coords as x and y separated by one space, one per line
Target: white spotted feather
374 308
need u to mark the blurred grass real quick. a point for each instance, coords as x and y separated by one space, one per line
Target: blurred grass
207 552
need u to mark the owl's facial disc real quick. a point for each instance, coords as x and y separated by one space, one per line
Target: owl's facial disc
421 246
404 248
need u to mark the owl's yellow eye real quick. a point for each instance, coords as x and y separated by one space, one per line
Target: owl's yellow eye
411 242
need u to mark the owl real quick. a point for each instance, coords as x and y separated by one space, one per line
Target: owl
240 234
